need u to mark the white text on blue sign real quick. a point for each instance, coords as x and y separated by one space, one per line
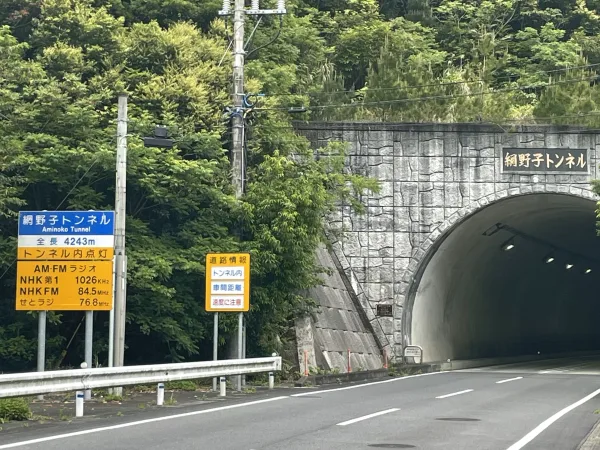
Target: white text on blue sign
71 223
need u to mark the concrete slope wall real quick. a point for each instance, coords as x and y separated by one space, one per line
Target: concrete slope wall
338 326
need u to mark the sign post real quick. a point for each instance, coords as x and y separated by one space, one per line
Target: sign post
64 263
228 290
215 345
41 353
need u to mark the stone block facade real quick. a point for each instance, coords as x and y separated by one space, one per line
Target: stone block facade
431 177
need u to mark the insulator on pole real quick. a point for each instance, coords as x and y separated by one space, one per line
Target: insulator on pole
281 5
226 6
255 5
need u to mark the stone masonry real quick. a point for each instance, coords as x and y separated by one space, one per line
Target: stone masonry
431 177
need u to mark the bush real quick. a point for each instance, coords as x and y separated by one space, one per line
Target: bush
183 385
14 409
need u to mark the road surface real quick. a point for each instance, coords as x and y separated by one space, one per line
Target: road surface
542 405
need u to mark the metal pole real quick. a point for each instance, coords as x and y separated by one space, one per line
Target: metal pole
215 345
244 350
41 354
240 335
89 336
120 257
111 336
111 327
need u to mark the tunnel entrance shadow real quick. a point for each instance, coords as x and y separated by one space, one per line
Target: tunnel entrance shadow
515 277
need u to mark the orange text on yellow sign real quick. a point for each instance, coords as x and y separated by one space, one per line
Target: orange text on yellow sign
64 253
64 285
227 282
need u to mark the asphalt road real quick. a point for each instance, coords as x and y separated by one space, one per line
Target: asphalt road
541 405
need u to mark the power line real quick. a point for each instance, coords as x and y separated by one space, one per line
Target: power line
434 97
419 86
532 121
59 205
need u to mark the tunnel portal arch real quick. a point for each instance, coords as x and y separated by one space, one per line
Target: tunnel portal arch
442 338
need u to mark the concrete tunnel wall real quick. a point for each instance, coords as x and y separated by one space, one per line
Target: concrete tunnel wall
432 176
474 300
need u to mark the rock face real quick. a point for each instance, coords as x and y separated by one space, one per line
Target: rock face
431 177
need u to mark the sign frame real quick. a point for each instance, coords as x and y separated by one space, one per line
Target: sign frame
385 310
228 273
66 235
414 351
64 284
74 243
542 170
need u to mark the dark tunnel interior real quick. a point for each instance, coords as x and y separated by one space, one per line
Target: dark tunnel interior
475 299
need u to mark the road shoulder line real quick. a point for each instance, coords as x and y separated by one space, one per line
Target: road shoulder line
546 423
323 391
135 423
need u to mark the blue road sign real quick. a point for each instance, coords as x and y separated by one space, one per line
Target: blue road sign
72 223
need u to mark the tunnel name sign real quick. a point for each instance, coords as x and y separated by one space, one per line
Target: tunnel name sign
538 160
227 282
65 261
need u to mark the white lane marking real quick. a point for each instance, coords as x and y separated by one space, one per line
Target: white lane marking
368 416
546 423
455 393
510 379
139 422
316 391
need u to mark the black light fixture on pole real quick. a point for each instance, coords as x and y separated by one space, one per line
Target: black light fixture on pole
160 138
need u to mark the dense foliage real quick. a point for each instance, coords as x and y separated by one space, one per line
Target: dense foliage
63 62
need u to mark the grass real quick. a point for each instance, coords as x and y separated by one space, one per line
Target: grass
62 416
170 401
113 398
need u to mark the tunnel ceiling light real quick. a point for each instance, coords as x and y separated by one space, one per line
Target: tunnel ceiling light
508 245
568 266
548 259
588 270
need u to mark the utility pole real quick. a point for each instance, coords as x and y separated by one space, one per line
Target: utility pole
120 257
237 118
238 161
237 131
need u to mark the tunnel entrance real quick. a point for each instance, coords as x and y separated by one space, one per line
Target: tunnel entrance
517 277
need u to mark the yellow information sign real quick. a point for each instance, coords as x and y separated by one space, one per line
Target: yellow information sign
64 285
64 253
227 282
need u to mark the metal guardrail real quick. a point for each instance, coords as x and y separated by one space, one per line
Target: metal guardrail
32 383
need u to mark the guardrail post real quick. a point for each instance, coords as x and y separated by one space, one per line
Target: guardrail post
223 386
79 404
271 380
160 394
